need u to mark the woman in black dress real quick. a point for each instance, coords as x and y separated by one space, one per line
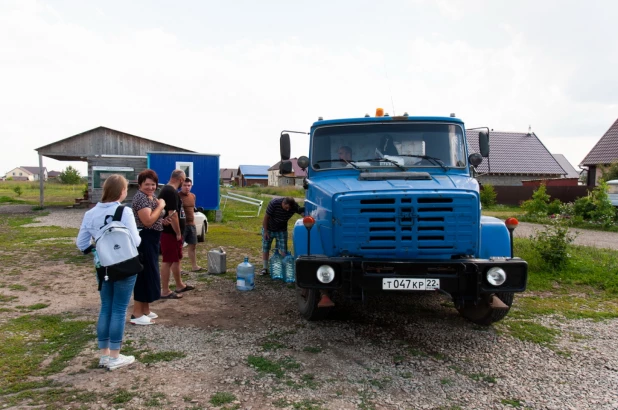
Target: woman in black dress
149 219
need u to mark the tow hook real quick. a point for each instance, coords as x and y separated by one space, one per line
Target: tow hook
497 303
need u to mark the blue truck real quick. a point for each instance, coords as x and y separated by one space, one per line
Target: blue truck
393 205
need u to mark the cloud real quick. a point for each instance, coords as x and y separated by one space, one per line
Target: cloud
233 95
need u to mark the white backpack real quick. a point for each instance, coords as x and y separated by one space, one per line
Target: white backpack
116 249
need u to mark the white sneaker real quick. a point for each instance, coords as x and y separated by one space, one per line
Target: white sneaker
142 320
152 315
120 361
103 361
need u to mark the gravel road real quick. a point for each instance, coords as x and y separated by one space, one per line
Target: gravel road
392 353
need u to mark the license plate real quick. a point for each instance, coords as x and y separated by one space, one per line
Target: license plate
410 284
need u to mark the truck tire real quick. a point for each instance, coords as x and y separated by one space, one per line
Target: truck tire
307 300
482 313
202 235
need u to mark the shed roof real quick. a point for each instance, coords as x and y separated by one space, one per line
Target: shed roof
519 153
606 150
103 141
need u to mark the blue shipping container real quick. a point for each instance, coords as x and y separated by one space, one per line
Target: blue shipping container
203 169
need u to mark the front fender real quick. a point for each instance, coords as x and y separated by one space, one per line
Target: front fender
300 239
495 239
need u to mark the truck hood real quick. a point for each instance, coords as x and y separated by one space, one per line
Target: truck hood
331 185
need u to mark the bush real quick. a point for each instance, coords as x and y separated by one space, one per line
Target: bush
17 189
538 205
583 207
488 195
554 207
604 212
552 244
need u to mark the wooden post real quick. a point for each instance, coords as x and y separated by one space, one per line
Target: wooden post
41 178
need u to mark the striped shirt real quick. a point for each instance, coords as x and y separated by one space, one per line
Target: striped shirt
278 217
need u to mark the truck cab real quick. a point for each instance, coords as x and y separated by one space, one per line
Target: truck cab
392 205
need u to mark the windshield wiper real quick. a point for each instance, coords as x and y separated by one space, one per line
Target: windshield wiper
338 160
401 167
434 160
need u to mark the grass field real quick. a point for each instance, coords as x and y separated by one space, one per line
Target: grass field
55 194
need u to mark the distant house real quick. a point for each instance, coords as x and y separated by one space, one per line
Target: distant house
26 174
53 174
226 176
602 155
294 179
514 157
248 175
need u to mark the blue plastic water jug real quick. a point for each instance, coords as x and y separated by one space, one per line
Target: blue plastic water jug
289 275
275 266
245 276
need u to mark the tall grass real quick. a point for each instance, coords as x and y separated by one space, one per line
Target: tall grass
587 268
54 193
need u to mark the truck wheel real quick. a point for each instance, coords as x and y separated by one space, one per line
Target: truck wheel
308 304
202 235
482 313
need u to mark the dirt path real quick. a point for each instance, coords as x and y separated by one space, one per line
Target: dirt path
584 237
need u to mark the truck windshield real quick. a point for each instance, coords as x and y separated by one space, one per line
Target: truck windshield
400 145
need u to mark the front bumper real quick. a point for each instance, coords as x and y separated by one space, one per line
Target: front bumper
457 276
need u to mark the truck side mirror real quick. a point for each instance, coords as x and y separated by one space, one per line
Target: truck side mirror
285 167
475 159
284 144
484 143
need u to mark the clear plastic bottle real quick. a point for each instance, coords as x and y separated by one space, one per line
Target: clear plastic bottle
275 266
289 275
245 276
97 261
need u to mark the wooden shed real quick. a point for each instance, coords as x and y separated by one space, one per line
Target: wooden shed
106 151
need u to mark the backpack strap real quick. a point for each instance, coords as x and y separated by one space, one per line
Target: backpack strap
118 213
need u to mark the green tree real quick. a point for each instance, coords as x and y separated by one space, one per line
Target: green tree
70 176
610 173
18 190
603 212
488 195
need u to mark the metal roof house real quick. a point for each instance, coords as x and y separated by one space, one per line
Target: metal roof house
602 155
294 179
27 173
106 151
513 157
248 175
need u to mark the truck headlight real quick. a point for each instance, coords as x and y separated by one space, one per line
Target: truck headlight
496 276
325 274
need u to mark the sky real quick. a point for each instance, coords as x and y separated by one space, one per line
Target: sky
227 77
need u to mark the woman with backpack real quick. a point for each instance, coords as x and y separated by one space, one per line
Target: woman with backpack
115 293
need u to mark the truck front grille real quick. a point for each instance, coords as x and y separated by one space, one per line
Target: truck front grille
406 225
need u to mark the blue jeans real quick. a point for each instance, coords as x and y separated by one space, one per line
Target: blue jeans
115 297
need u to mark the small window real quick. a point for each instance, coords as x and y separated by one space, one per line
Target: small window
187 167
